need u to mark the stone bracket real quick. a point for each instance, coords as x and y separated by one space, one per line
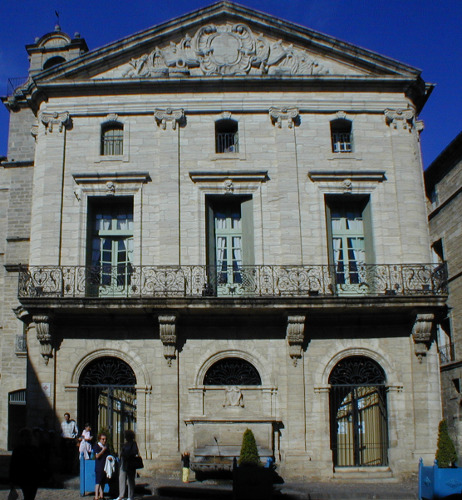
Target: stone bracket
295 336
422 333
44 336
174 116
168 336
291 115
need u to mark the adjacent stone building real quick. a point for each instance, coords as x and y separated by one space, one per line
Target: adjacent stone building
215 224
443 180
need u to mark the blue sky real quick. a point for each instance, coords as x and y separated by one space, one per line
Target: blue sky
422 33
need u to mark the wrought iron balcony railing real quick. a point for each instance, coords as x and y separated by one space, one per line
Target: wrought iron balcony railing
127 281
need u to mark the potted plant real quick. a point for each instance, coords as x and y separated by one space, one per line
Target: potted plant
250 479
444 478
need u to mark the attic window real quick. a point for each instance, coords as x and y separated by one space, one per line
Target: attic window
53 61
341 136
226 136
112 139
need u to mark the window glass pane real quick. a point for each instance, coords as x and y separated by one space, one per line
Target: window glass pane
112 140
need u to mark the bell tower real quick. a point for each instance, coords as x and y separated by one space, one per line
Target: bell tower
54 48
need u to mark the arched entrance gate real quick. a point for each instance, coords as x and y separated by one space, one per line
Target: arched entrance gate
107 398
358 413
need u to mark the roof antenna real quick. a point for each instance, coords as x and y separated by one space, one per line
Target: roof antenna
57 27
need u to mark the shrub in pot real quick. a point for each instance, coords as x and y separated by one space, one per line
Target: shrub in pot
446 455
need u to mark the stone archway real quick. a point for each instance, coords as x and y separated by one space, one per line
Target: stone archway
358 413
107 397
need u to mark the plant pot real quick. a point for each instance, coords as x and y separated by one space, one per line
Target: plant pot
252 482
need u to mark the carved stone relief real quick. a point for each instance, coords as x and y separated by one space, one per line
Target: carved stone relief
233 397
421 333
174 116
167 330
400 119
278 115
224 50
295 336
50 120
42 328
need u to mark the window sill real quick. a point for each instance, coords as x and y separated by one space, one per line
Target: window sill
227 156
345 156
109 158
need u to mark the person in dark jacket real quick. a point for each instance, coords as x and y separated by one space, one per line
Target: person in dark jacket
127 471
26 465
101 451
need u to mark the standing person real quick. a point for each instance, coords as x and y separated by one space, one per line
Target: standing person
185 460
69 433
102 452
127 470
85 442
26 465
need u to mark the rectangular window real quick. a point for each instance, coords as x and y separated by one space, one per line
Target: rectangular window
350 241
112 140
111 245
229 242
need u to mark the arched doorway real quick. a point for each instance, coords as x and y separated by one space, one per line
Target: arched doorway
107 398
358 413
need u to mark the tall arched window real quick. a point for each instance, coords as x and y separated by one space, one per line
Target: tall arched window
107 397
226 136
112 135
232 371
358 408
341 134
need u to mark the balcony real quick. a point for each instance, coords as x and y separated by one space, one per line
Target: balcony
246 282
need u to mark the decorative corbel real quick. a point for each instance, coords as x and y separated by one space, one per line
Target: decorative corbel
34 131
295 336
402 119
42 328
167 330
277 115
162 116
60 120
421 333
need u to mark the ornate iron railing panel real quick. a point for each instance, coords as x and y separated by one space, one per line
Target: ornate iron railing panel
248 281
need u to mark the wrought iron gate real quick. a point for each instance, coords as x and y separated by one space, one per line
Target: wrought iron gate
107 398
359 431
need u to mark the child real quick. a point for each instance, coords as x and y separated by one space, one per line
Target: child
85 442
185 462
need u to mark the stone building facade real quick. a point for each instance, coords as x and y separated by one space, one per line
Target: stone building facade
217 224
443 181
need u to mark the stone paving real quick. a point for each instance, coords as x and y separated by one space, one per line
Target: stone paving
163 488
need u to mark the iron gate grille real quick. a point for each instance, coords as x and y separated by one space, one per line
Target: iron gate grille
359 435
110 407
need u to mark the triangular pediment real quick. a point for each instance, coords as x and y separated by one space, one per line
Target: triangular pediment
227 40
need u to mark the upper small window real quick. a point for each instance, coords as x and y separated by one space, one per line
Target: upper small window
53 61
112 139
342 139
226 136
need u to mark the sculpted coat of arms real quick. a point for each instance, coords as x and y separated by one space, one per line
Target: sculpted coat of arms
225 50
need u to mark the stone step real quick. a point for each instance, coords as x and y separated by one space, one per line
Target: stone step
365 474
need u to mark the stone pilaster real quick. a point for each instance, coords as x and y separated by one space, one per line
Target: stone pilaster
49 169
